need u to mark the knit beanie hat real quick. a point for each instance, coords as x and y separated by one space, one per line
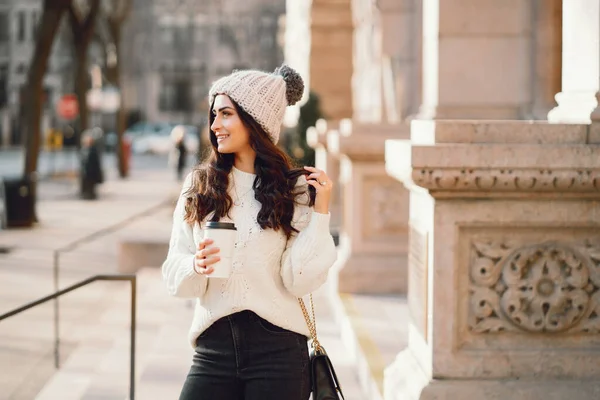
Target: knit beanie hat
261 94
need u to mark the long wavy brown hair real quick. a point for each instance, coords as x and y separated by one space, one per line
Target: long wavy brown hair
274 186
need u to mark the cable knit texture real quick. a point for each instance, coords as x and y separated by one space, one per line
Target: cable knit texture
262 95
269 272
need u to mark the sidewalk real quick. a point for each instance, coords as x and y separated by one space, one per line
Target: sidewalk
26 340
94 320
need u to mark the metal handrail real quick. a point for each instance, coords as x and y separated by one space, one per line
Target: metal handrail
132 330
72 246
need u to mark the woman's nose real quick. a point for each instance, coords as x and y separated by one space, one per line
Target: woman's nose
216 124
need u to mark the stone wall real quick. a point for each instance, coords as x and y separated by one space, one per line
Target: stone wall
331 55
489 59
503 259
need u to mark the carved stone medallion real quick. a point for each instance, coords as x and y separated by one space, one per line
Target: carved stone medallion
548 287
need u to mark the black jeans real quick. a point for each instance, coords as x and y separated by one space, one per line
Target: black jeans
244 357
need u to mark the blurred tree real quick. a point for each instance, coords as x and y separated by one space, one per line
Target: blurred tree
113 14
310 112
113 17
82 29
52 12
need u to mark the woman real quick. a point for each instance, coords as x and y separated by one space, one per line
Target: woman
178 155
248 331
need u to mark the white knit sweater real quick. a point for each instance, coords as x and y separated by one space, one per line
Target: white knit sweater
269 272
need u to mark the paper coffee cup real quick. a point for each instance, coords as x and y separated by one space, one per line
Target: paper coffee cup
223 235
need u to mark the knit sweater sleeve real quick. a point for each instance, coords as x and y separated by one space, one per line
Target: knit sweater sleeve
309 254
178 268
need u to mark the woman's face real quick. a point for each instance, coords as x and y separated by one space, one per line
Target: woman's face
232 135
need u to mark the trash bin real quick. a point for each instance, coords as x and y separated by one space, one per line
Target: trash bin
18 201
126 154
2 205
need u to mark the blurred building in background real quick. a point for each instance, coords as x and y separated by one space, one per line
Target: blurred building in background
176 49
18 24
171 53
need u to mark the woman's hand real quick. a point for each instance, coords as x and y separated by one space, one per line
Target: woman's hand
205 257
323 185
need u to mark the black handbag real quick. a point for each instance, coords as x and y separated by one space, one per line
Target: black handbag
324 381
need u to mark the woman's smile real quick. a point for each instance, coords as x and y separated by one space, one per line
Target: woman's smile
221 137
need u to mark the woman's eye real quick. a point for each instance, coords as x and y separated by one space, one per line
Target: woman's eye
227 114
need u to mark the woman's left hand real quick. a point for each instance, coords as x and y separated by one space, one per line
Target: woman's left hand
323 185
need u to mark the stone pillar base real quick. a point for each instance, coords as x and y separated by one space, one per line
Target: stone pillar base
374 236
372 274
405 380
504 298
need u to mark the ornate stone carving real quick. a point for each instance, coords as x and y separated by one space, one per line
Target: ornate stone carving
507 180
550 287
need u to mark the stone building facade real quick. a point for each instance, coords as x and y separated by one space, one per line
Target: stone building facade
493 232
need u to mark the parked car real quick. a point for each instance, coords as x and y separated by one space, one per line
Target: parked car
154 137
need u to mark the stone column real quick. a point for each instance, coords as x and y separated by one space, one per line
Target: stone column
580 62
546 55
372 251
316 137
297 37
367 63
504 261
480 59
331 56
386 83
401 37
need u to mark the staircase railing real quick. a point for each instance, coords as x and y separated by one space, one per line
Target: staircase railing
132 329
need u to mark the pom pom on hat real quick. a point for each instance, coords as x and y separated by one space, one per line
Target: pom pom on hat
262 95
294 85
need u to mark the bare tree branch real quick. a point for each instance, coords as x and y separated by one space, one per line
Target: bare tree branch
91 16
82 29
73 20
114 23
78 23
122 9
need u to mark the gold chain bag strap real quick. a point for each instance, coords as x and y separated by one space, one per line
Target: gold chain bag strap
325 384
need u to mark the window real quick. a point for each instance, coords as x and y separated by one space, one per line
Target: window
180 36
34 24
3 85
225 35
175 95
267 33
166 34
4 27
21 26
200 35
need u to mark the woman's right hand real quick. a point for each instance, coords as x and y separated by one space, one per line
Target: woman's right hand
205 257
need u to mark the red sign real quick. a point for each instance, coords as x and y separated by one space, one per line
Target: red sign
67 107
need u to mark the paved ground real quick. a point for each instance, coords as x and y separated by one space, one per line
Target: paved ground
94 321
